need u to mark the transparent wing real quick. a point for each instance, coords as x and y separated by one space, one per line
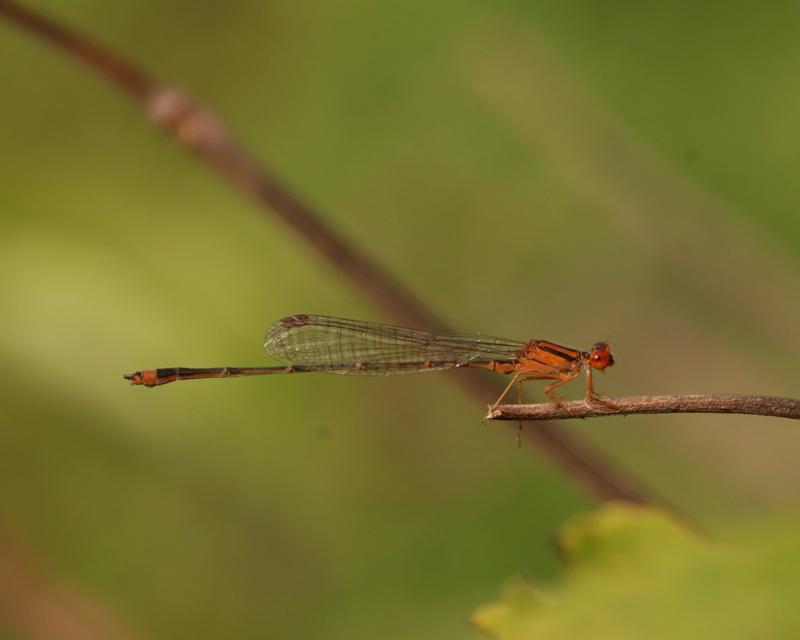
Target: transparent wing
368 348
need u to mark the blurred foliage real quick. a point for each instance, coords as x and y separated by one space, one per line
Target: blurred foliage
572 171
634 573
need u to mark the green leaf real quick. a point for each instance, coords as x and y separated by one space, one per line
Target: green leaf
634 573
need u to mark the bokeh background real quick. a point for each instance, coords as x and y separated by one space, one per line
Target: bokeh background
573 171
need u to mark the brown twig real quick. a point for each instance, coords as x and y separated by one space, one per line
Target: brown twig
752 405
43 606
195 128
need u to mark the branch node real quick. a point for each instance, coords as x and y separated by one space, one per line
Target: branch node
195 126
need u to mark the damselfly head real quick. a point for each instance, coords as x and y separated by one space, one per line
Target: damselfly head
600 356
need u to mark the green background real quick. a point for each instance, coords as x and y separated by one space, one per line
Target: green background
574 171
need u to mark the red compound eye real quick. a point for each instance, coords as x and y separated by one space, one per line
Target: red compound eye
600 356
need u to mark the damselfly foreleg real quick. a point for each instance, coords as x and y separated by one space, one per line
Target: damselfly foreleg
591 396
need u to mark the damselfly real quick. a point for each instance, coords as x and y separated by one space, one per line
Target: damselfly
308 343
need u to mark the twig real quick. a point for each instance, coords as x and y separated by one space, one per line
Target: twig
41 605
752 405
195 128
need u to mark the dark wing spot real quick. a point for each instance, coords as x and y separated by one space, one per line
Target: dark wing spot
299 320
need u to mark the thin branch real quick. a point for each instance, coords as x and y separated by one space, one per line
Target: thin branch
44 606
751 405
195 128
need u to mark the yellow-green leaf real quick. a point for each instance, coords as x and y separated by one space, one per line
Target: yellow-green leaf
634 573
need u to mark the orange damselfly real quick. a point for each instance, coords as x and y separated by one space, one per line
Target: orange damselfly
310 343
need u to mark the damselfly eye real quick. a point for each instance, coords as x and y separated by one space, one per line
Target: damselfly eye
600 356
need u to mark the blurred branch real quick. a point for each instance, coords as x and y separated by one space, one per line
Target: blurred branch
44 607
752 405
195 128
